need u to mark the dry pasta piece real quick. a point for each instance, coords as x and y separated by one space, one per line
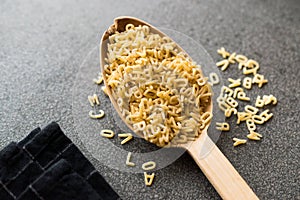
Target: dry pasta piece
103 88
223 126
250 109
205 117
127 135
192 137
231 58
96 116
250 71
242 65
129 26
223 105
221 98
252 64
223 52
241 59
107 133
93 100
148 178
140 126
243 116
250 125
247 83
226 91
258 119
259 102
233 103
254 135
234 83
251 67
238 141
128 162
183 138
223 64
214 78
99 80
228 112
268 99
200 81
260 80
242 96
149 166
266 115
236 91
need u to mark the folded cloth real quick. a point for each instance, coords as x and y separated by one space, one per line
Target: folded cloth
60 182
17 170
29 136
21 164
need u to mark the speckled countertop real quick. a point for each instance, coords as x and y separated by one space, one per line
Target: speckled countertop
43 44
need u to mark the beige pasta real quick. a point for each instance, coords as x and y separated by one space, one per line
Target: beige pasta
103 88
214 78
223 126
148 178
258 119
251 67
242 96
259 79
238 141
156 86
223 106
223 52
233 103
268 99
241 59
228 112
223 64
247 83
128 137
149 166
128 162
254 136
94 100
227 91
243 116
250 109
181 139
259 102
266 115
231 58
99 80
96 116
250 125
107 133
234 83
227 100
237 91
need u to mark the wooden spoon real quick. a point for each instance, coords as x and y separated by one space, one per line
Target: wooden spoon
218 170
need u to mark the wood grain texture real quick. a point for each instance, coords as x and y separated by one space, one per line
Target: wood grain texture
219 171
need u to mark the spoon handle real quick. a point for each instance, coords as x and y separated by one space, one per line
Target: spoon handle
219 171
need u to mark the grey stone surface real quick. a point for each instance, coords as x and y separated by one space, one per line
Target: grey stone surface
42 45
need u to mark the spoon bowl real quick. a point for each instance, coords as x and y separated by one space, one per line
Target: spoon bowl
219 171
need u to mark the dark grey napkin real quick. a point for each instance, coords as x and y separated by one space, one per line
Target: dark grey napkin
24 165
